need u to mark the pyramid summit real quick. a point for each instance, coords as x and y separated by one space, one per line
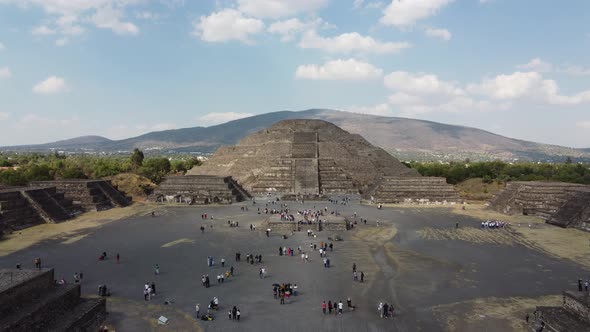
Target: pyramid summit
304 156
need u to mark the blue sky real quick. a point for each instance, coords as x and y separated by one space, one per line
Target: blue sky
119 68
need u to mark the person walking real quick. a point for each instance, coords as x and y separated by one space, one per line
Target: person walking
153 287
324 307
238 313
340 307
157 269
118 258
330 307
198 309
223 262
234 313
362 276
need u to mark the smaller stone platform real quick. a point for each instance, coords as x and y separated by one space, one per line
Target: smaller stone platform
419 190
92 195
573 315
31 301
199 189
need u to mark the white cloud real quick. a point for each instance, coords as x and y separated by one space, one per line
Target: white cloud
379 109
214 118
226 25
4 116
289 29
421 83
362 4
43 30
403 13
443 34
346 70
583 124
279 8
575 70
51 85
110 18
526 85
2 47
147 15
5 73
537 65
352 42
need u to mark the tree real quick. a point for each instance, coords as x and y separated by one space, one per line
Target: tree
155 169
136 159
568 160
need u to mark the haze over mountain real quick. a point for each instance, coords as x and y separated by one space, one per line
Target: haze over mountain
407 139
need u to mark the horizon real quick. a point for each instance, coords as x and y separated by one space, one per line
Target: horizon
120 69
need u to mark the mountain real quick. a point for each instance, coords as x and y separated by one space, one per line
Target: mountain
407 139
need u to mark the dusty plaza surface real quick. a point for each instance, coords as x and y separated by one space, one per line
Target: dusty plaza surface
438 277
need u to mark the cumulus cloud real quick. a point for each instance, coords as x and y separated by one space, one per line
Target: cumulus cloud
214 118
69 18
352 42
443 34
346 70
537 65
362 4
421 83
5 73
51 85
226 25
289 29
279 8
404 13
526 85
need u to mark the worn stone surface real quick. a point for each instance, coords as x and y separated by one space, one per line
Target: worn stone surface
93 195
304 157
413 190
30 301
199 189
560 203
573 315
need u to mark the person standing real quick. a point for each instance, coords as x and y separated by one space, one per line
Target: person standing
223 262
118 258
330 307
198 309
324 307
153 286
157 269
362 276
238 313
234 313
340 307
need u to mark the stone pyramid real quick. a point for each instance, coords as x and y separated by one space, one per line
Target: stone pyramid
304 157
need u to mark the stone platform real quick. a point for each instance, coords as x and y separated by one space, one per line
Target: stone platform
92 195
413 190
31 301
330 223
199 189
573 315
27 206
562 204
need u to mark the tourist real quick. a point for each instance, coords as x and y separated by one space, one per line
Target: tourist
197 309
385 310
340 307
349 304
354 276
234 313
223 262
38 263
324 307
362 276
153 288
229 314
330 307
76 278
526 318
157 269
238 313
380 309
146 294
579 285
118 258
231 270
353 267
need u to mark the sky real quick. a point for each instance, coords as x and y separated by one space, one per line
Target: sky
120 68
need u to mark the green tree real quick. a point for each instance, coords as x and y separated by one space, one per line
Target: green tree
136 159
155 169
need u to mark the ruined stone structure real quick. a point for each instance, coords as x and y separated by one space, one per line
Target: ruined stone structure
304 157
199 189
413 190
560 203
573 315
30 301
27 206
331 223
92 195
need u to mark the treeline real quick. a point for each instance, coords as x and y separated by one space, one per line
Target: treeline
456 172
20 169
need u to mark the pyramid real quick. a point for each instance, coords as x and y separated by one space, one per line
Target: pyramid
304 157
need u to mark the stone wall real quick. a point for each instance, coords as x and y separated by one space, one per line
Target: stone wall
32 302
17 213
199 189
560 203
573 315
413 190
92 195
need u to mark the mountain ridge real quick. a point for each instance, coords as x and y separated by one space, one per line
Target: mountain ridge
408 139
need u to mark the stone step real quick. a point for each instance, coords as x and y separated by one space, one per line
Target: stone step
85 316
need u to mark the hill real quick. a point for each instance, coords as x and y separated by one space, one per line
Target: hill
407 139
